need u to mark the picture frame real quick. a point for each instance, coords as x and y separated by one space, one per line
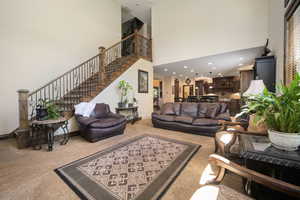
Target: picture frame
143 81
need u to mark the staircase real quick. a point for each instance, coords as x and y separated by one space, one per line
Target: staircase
87 80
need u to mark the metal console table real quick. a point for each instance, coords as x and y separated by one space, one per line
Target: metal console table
131 113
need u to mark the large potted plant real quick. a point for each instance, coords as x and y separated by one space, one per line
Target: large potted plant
280 112
124 88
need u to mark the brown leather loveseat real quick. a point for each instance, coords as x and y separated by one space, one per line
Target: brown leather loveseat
101 124
198 118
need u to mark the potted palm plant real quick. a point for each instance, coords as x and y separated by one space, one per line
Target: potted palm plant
124 88
280 112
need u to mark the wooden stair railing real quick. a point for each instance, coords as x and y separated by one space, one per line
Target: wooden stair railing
88 79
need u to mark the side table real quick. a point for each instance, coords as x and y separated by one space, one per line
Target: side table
259 155
131 113
49 127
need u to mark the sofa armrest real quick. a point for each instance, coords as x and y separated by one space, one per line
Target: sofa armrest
155 113
224 116
85 121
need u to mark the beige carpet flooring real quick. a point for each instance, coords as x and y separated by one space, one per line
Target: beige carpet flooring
28 174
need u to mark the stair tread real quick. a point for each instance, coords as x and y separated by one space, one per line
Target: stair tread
93 86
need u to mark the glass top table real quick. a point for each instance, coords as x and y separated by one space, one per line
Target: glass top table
259 148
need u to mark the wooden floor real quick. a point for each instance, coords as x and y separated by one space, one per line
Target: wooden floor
28 174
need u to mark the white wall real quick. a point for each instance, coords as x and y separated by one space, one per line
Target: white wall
41 39
126 15
111 94
194 28
276 34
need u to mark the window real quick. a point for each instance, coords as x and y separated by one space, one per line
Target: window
292 60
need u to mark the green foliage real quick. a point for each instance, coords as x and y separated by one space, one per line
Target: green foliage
280 112
51 107
124 88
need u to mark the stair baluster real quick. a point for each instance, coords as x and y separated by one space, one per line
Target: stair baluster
85 81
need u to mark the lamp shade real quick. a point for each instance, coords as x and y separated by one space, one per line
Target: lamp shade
256 87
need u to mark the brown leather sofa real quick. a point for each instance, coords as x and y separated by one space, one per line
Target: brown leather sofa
198 118
101 124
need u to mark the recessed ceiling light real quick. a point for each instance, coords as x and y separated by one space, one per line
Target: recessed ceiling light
185 67
174 73
210 63
240 64
165 69
192 70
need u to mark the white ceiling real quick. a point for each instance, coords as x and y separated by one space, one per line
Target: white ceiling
227 64
139 8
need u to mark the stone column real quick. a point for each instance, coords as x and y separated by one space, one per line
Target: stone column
22 133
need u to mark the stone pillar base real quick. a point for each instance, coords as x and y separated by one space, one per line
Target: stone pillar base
23 138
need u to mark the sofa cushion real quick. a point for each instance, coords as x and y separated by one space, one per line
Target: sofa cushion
212 109
202 110
183 119
205 122
177 108
167 118
107 122
101 110
189 109
168 109
85 121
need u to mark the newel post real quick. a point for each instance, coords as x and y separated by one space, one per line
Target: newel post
102 64
23 109
22 133
136 43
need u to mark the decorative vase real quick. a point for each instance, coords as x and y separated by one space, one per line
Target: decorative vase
284 141
41 113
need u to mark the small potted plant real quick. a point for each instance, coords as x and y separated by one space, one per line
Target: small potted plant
46 109
124 88
280 112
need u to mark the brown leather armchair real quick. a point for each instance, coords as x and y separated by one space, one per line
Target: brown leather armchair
101 124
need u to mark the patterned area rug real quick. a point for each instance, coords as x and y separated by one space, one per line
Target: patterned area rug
138 169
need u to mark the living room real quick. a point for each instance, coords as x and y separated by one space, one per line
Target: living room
148 99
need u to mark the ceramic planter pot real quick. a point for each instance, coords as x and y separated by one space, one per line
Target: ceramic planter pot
284 141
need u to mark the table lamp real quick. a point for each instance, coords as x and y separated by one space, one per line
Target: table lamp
256 87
